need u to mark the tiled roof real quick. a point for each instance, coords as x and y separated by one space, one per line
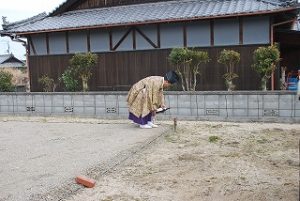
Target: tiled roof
4 57
27 21
12 58
147 13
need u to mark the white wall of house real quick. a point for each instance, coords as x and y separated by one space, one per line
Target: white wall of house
226 32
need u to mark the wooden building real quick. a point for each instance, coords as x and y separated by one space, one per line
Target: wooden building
133 38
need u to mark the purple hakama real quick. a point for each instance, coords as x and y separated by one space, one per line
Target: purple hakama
140 120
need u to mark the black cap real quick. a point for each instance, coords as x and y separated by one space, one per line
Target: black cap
172 77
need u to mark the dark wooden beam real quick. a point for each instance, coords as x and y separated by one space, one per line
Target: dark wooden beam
184 35
31 45
67 42
122 39
158 35
134 38
212 33
110 40
146 38
47 43
88 40
241 34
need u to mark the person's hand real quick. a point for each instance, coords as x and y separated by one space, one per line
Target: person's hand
163 106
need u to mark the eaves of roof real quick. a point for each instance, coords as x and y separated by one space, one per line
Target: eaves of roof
171 11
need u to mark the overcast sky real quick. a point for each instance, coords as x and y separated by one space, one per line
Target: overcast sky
16 10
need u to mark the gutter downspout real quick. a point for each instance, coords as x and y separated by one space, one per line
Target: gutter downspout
272 43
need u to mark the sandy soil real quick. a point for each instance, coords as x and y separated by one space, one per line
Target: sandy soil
208 161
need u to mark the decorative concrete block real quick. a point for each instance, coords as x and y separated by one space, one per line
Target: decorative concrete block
270 112
212 112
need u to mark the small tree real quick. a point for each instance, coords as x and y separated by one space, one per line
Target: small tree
229 58
6 81
82 65
265 60
188 63
47 82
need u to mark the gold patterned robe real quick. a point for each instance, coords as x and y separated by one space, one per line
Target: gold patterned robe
146 96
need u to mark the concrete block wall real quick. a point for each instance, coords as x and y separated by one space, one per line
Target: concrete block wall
273 106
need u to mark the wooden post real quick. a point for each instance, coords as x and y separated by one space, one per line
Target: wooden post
175 123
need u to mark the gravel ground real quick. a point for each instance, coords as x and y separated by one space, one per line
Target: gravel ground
40 157
201 160
206 161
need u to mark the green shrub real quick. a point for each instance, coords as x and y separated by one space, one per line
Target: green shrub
6 81
81 65
229 58
265 61
47 82
69 80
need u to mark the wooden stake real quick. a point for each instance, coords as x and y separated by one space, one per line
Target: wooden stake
175 123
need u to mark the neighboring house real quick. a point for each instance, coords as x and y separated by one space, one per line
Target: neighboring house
133 38
9 63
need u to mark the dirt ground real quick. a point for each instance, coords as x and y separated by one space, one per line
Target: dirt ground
208 161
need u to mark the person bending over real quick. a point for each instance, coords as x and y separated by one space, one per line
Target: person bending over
146 96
